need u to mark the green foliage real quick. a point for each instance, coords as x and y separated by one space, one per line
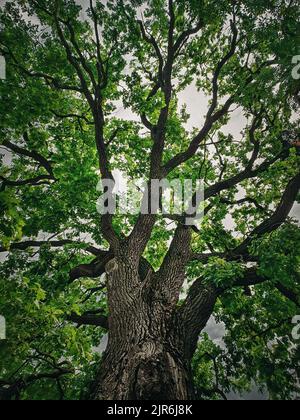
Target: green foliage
258 349
36 301
36 296
222 273
11 223
279 256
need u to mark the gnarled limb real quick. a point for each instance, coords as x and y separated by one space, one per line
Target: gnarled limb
98 267
89 318
195 313
277 219
49 79
23 246
36 181
11 389
288 293
93 270
249 200
31 154
212 116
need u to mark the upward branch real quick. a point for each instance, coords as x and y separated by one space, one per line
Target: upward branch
212 115
145 223
278 217
30 153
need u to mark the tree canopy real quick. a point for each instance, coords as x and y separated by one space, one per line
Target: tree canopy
70 68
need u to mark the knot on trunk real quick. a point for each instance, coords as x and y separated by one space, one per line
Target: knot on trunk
111 266
157 376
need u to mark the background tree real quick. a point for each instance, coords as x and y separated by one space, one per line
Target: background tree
69 276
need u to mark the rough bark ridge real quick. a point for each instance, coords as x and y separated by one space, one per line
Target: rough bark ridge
151 339
147 355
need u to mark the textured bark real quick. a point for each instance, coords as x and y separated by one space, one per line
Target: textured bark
146 357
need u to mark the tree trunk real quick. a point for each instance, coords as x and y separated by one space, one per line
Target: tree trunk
151 340
144 359
148 371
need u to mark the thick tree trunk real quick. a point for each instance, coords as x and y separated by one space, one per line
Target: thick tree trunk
142 360
146 357
149 371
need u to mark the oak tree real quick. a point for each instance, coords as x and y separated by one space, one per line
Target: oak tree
149 282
